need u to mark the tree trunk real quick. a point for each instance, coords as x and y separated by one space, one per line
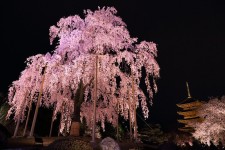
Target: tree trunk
75 125
78 100
75 128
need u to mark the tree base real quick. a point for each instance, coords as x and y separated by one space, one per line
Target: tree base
75 129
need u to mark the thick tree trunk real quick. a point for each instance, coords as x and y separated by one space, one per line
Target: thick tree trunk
75 126
76 116
75 129
78 99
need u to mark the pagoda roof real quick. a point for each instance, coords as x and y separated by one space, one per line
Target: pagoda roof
188 100
186 121
189 105
186 129
188 114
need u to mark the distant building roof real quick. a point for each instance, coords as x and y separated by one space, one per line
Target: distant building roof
188 112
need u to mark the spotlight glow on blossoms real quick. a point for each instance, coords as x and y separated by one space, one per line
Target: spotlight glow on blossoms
213 127
101 33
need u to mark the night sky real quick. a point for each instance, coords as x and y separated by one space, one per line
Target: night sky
190 38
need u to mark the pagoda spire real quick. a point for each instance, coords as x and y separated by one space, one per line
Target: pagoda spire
189 95
188 112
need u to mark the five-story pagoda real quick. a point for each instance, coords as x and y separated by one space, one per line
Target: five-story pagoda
187 112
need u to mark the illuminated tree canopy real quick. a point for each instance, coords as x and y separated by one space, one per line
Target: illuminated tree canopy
213 127
103 37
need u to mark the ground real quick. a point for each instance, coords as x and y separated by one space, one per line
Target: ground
43 143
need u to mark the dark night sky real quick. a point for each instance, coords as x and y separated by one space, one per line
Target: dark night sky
190 38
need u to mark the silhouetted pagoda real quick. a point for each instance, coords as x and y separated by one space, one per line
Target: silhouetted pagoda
187 112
